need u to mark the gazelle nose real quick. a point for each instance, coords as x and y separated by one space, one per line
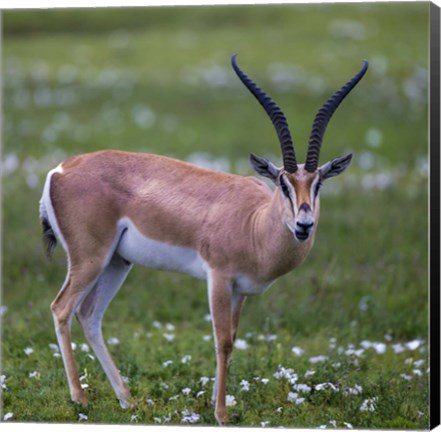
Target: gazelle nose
305 226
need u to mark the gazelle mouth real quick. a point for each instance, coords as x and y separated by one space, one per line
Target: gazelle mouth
301 235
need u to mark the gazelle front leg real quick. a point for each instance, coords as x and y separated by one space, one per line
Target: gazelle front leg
219 297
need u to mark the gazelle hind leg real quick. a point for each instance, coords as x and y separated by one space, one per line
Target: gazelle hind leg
79 281
90 314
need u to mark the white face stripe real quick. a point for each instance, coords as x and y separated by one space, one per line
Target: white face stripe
313 186
292 194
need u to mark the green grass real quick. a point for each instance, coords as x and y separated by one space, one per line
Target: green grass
74 81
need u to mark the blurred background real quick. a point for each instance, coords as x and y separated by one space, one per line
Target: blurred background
159 80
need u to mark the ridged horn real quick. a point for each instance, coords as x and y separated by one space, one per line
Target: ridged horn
275 114
324 115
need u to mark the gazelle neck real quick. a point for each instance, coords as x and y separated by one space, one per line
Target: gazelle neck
280 251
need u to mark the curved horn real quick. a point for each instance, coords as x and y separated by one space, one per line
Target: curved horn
322 119
275 114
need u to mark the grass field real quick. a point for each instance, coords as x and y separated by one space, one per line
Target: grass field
341 342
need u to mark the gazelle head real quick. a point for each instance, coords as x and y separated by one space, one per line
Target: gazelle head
299 184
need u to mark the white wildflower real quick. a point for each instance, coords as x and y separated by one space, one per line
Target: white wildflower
2 382
204 380
388 337
166 419
417 372
241 344
186 390
200 393
302 388
348 425
285 373
323 386
169 336
164 385
297 351
207 338
157 324
245 385
134 417
170 327
150 402
419 363
413 345
56 354
173 398
28 351
333 423
34 374
84 386
406 377
352 351
309 373
207 317
317 359
54 347
369 404
113 341
230 400
322 426
3 310
82 416
279 410
89 356
366 344
379 347
125 379
157 420
264 423
408 361
190 417
398 348
7 416
271 337
84 347
336 365
73 345
186 359
264 380
294 397
167 363
357 389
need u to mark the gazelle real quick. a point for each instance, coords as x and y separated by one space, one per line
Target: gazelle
113 209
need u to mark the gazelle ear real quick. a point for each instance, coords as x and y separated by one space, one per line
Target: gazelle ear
335 167
264 167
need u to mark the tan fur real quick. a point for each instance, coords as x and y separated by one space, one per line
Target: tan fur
236 224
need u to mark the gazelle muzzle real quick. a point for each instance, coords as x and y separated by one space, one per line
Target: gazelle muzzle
304 224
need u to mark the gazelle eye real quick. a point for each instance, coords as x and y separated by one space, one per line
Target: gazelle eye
285 189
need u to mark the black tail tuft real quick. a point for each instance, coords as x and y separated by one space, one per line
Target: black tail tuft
49 238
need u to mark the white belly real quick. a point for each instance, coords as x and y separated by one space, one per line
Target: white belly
245 286
139 249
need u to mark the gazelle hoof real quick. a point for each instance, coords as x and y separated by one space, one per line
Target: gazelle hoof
221 417
80 399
